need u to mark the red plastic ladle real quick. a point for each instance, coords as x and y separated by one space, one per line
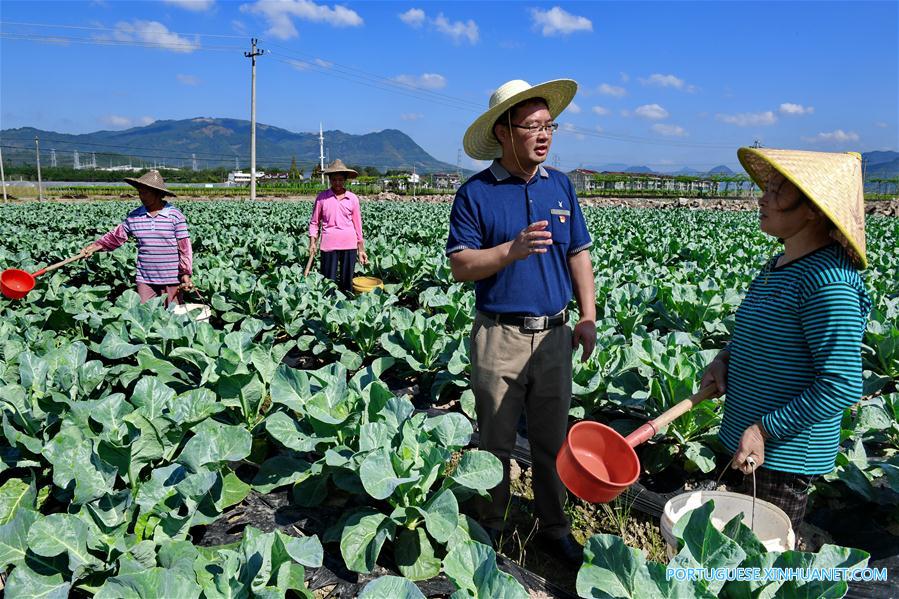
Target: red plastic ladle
597 464
15 283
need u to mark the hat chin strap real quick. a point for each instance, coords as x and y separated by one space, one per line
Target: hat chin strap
512 140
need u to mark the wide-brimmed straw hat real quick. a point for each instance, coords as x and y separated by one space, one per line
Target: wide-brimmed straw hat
153 180
339 167
479 141
831 180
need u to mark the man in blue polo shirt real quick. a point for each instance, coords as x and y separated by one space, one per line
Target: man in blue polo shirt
517 231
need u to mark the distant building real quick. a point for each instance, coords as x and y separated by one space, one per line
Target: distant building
242 178
446 181
583 179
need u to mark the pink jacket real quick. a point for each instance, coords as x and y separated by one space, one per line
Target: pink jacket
339 221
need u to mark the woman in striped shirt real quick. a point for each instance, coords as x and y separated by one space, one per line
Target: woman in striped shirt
793 364
164 253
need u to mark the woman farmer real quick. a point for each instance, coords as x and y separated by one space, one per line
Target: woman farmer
338 217
164 253
794 362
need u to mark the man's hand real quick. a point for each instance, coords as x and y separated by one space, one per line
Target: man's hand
363 257
532 240
187 283
584 334
752 444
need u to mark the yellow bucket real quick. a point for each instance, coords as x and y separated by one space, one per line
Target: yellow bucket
366 284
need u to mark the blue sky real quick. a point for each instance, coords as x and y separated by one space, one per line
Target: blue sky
662 84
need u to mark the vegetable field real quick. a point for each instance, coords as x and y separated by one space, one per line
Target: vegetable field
128 431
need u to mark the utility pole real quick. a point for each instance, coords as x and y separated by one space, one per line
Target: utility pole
53 158
40 185
76 161
321 151
193 158
2 175
252 54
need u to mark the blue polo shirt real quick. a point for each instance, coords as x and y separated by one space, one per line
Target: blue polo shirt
491 209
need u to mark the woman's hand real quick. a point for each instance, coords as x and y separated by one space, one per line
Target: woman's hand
363 257
187 283
89 249
716 373
752 445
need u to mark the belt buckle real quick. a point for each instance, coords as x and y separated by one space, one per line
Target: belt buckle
535 323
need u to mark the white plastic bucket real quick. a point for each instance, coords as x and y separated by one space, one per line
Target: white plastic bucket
199 312
771 524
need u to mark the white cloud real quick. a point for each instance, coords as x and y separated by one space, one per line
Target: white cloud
835 136
624 77
457 30
882 125
660 80
748 119
556 21
116 121
239 27
651 111
795 109
599 110
279 15
625 112
192 5
155 33
187 79
569 128
424 81
599 129
303 65
611 90
574 108
412 116
669 130
414 17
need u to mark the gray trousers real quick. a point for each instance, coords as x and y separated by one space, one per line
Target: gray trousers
511 370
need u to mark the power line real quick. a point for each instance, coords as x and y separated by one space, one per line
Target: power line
59 39
85 28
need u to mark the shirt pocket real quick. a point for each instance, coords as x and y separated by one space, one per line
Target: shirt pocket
346 209
560 225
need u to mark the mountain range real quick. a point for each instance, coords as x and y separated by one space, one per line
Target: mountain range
220 142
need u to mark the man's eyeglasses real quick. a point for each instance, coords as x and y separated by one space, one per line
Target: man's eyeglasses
533 130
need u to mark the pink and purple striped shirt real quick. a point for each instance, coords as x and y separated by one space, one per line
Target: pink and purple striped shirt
163 244
340 221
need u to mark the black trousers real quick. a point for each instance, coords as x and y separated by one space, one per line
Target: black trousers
339 265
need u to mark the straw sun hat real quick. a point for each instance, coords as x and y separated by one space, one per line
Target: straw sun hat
479 141
831 180
153 180
339 167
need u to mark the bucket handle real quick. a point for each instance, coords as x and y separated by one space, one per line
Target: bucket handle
751 462
47 269
649 430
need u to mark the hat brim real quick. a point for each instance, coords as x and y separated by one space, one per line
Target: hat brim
138 184
761 166
351 174
479 141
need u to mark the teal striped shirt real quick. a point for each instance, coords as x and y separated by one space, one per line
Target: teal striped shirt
795 359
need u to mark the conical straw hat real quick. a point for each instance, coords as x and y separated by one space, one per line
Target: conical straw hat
831 180
339 167
479 141
153 180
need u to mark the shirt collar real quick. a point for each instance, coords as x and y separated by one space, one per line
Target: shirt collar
500 173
